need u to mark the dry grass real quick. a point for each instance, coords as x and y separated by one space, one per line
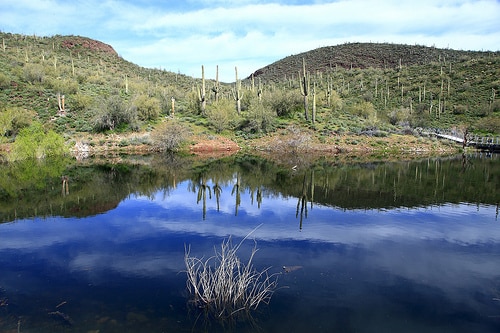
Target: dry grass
223 286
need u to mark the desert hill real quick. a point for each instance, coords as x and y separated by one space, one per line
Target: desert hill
363 56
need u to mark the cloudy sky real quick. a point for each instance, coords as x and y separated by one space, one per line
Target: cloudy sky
181 36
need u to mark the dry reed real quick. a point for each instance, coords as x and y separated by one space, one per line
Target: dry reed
224 286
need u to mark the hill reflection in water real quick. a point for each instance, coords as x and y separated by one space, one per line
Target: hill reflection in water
383 266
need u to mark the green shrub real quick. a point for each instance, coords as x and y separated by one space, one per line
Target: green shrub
284 103
259 118
489 124
112 113
221 114
336 101
14 119
4 81
495 107
79 102
193 104
33 73
363 109
63 86
35 142
148 108
399 116
460 109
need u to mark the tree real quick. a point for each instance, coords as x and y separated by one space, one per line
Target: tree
34 142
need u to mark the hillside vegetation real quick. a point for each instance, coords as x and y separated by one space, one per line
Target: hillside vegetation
441 88
78 87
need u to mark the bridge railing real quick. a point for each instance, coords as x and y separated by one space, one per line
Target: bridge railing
458 135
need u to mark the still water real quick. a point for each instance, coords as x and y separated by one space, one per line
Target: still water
379 247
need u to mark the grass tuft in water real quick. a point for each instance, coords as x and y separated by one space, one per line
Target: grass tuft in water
223 286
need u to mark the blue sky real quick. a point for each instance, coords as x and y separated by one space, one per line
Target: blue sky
181 36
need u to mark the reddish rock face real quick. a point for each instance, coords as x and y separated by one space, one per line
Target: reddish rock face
88 43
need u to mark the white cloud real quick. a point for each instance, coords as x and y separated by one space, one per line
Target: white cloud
251 34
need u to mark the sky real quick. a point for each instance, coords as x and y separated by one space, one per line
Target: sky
181 36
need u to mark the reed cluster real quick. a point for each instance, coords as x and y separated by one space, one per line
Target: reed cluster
224 286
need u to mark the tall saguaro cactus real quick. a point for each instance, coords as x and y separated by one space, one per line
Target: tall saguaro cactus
259 91
304 88
237 93
259 88
314 103
216 87
201 91
329 89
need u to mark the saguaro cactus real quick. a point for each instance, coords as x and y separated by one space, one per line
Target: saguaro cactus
259 88
216 87
329 89
60 102
304 88
314 103
259 91
201 91
126 84
237 93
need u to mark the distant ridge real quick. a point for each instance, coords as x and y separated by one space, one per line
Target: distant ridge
360 55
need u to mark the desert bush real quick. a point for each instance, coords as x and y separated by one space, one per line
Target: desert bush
80 102
363 109
14 119
170 135
33 73
4 81
368 96
284 103
35 142
259 118
399 116
96 79
489 124
112 113
148 108
495 107
481 111
336 101
63 86
460 109
297 140
192 103
221 114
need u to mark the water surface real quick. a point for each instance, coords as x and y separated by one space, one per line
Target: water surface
400 247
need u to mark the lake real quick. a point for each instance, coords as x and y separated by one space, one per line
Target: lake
99 245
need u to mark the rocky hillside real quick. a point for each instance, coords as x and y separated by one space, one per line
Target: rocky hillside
78 44
363 56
